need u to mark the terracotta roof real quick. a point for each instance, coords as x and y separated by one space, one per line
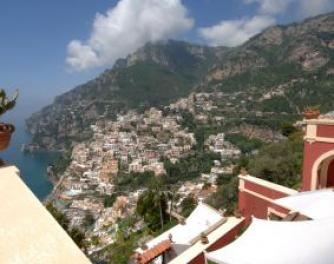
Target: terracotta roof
154 252
206 192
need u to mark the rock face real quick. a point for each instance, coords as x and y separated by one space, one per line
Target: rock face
272 36
314 60
251 131
159 73
152 76
306 44
238 64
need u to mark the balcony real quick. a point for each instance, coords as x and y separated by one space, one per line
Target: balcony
28 233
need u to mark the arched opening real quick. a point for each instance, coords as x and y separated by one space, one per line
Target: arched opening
330 174
323 171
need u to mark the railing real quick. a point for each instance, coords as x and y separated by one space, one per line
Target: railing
257 197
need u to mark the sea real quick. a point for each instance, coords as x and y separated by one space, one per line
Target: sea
32 166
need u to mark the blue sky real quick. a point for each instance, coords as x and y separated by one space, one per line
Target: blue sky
48 47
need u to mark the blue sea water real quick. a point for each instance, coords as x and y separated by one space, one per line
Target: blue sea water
32 165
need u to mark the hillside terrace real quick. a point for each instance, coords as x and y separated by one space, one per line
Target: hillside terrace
274 216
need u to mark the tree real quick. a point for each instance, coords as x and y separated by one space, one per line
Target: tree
189 167
77 236
109 200
188 204
279 162
135 180
172 197
226 196
245 144
60 217
152 205
188 120
159 199
287 129
89 219
200 138
61 163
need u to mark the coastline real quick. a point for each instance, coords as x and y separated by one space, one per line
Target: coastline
32 166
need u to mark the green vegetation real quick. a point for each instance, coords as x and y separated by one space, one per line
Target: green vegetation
287 129
245 144
167 71
60 217
77 236
159 86
190 167
226 196
188 120
134 180
280 162
109 200
88 220
120 252
188 204
277 104
61 163
277 162
202 132
164 72
7 104
152 205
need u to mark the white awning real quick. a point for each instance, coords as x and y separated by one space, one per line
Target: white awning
303 242
203 219
314 204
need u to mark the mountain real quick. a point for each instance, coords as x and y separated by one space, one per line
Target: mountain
293 65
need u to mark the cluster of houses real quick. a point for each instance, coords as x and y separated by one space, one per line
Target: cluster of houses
273 223
134 143
218 144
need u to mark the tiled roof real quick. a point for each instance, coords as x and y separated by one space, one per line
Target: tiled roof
154 252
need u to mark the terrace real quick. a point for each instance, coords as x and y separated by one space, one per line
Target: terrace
29 234
276 216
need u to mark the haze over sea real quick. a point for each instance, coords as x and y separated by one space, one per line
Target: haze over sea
45 56
32 166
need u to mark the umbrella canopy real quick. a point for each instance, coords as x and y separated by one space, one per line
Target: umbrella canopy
274 242
314 204
203 219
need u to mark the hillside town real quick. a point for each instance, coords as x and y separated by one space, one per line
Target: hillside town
134 144
167 131
269 216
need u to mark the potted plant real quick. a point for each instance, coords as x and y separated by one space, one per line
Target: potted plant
312 112
237 213
6 130
204 238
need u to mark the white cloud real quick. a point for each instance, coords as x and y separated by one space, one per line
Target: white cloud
271 6
315 7
235 32
306 7
126 27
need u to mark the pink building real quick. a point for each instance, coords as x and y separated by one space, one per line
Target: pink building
256 196
305 235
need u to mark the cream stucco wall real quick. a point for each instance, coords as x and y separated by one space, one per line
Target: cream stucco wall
28 233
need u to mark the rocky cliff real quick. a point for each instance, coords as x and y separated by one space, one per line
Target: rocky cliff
297 60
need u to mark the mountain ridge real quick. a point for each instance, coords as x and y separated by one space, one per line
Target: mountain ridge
162 72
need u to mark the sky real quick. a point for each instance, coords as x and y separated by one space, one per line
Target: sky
47 47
